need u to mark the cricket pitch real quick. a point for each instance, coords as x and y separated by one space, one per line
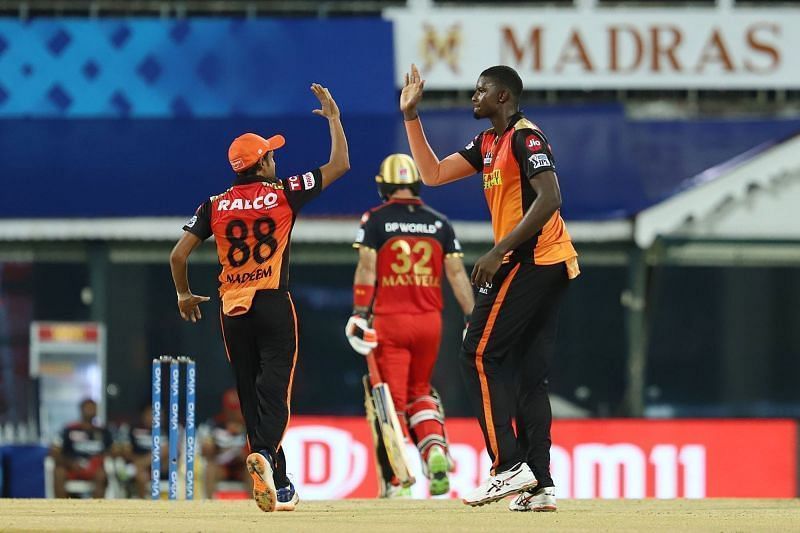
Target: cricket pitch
353 516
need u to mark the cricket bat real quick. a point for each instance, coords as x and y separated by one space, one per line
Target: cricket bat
390 431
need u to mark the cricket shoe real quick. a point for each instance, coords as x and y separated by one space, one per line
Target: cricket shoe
516 479
264 492
540 500
287 498
438 466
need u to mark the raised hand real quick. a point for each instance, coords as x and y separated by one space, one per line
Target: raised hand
328 106
411 95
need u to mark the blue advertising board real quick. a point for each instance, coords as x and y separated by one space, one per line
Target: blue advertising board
133 117
216 67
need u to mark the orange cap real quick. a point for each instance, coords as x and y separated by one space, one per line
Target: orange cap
247 149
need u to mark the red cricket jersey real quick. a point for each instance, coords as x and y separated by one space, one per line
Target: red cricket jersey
411 241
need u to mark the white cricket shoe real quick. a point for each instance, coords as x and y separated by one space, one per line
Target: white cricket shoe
517 479
535 500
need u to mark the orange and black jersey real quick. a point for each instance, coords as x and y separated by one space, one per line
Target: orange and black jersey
508 162
252 224
411 241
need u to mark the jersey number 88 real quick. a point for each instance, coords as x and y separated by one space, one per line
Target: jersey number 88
237 232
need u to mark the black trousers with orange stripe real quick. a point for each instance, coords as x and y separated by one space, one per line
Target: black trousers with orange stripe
515 323
262 349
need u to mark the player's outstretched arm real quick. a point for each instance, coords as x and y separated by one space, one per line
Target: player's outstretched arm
432 171
339 162
188 303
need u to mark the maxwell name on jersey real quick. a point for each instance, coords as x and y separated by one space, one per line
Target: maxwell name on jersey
410 280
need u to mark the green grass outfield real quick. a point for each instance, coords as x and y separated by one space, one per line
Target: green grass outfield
409 516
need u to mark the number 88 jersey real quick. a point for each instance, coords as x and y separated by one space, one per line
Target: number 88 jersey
252 224
411 241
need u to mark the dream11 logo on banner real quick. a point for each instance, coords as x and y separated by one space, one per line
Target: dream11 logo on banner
331 458
327 462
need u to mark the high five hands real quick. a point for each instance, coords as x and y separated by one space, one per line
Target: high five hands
328 107
411 95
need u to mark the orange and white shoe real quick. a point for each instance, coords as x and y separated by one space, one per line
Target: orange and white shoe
264 492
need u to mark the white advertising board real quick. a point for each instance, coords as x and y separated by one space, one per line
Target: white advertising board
603 48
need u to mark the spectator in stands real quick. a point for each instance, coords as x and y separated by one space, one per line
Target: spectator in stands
225 449
137 451
81 453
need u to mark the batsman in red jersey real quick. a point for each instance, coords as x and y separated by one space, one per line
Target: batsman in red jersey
404 248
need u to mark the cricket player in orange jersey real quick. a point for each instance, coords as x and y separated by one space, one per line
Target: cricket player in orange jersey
404 247
252 224
520 282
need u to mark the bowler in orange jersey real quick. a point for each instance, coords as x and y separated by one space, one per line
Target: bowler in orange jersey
252 223
520 282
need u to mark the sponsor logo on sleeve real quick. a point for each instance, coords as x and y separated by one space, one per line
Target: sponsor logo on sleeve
294 183
540 160
470 145
192 222
360 235
456 245
533 143
308 181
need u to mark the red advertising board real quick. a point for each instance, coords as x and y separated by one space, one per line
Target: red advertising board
331 458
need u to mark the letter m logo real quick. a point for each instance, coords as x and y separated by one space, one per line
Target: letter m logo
435 47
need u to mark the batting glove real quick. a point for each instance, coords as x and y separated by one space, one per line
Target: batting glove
360 335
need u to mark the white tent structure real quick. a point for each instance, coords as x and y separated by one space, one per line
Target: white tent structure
742 213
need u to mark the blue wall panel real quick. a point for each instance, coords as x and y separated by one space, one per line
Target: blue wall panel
608 166
133 117
199 67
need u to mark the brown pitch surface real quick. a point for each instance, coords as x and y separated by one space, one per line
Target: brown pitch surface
352 516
